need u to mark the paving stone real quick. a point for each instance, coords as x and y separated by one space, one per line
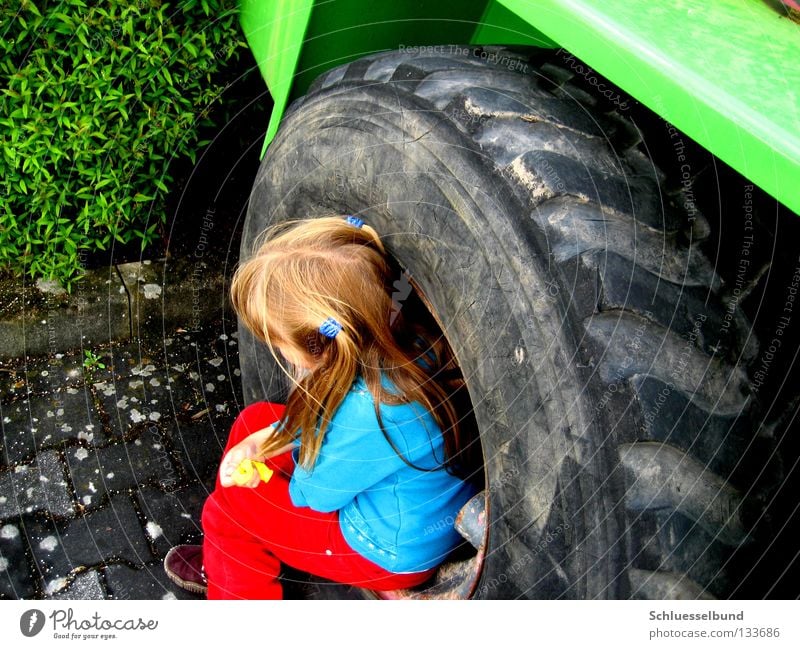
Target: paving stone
172 518
111 533
16 580
149 582
23 377
151 393
93 312
122 466
87 585
53 565
43 421
199 447
39 486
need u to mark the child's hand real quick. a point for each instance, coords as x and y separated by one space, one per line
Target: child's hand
246 449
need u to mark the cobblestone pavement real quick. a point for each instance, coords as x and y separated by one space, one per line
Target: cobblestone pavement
103 469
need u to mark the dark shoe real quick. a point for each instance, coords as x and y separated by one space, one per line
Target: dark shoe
184 566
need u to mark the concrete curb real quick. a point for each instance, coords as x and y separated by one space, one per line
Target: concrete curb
113 304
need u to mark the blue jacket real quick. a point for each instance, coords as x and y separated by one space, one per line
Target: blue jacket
394 515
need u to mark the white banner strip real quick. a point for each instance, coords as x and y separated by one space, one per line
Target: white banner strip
401 624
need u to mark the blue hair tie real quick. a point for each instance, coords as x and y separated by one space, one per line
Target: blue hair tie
354 220
330 328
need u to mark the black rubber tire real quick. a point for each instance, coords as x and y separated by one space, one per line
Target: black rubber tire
608 377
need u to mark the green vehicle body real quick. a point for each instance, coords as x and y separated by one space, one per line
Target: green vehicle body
725 72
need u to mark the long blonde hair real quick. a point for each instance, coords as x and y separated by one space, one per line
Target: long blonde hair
305 271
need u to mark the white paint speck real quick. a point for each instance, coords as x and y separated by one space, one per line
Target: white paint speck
147 370
168 596
155 416
48 543
237 372
223 337
155 382
9 532
6 420
55 585
138 383
72 390
50 413
210 387
21 469
194 376
60 412
110 475
87 500
92 488
220 377
4 565
154 530
66 428
87 437
222 407
81 454
136 416
216 362
151 291
45 373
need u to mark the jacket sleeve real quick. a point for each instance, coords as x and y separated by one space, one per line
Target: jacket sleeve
354 457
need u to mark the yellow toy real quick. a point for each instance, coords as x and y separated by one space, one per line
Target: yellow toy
244 472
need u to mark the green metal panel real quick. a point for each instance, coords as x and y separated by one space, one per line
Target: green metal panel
720 70
723 71
338 31
346 30
275 30
501 25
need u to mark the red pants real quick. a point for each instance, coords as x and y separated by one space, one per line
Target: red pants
248 532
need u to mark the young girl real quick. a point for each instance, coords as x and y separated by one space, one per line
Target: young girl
369 454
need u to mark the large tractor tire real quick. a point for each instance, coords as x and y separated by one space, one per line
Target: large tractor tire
608 377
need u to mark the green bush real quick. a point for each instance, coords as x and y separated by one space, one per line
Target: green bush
97 99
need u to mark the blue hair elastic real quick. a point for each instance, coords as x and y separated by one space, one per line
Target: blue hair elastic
354 220
330 328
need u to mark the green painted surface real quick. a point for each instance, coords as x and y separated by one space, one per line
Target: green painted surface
345 30
275 30
501 25
723 71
